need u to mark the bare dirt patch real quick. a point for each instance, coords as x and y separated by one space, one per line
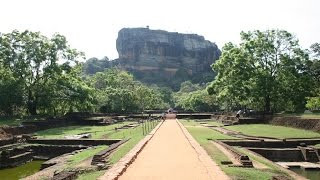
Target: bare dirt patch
4 135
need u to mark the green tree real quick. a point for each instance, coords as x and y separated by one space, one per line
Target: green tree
198 100
68 93
94 65
39 64
268 71
313 102
11 93
118 92
194 97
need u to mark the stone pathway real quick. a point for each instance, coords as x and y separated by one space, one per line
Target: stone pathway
173 154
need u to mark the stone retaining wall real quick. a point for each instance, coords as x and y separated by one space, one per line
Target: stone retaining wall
194 116
283 155
296 122
101 156
53 151
4 142
243 159
85 142
19 155
289 143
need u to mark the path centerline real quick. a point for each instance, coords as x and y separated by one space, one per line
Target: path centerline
169 155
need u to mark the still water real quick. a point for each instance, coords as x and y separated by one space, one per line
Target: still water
310 174
20 171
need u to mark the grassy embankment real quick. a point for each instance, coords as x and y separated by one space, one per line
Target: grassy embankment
301 115
15 121
206 121
135 136
265 130
202 134
10 121
97 132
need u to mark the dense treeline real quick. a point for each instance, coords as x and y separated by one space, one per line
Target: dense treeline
267 71
193 97
41 75
118 92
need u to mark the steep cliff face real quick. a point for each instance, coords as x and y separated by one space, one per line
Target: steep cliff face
166 57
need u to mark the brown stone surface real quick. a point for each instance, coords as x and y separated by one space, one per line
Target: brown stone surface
173 154
155 56
4 135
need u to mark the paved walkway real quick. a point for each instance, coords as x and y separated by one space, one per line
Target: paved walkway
171 155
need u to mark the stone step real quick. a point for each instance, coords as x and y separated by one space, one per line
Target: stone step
21 155
17 160
247 163
312 156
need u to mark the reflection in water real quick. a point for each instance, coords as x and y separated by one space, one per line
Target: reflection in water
20 171
310 174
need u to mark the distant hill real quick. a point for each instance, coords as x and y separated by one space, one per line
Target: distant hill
161 57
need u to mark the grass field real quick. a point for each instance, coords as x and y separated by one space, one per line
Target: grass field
209 121
266 130
12 121
96 131
201 134
16 121
83 155
214 123
90 175
302 115
135 136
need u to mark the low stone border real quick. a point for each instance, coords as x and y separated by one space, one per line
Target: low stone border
243 159
65 175
102 155
121 166
85 142
204 158
287 171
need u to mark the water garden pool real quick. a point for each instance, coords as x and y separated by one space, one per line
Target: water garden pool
21 171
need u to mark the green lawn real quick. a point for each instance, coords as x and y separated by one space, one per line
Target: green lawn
90 175
197 123
83 155
266 130
95 131
214 123
201 134
135 135
310 116
302 115
10 121
16 121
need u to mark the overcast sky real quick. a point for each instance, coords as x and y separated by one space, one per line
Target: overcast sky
92 25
